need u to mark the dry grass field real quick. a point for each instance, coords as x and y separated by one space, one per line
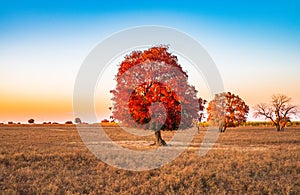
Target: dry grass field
51 159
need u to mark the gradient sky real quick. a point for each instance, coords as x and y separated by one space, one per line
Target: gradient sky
255 45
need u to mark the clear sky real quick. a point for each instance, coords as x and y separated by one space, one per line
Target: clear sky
255 45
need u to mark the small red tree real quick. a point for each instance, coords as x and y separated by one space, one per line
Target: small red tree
154 76
227 110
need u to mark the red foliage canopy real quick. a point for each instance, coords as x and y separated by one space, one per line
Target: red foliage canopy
150 77
227 110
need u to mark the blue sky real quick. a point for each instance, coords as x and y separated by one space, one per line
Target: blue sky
255 44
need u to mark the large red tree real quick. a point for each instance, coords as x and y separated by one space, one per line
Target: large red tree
152 92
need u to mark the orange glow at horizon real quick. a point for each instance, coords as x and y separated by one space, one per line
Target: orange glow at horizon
20 109
59 109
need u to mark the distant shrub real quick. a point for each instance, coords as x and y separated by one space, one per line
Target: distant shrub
257 123
296 123
68 122
105 121
31 121
10 123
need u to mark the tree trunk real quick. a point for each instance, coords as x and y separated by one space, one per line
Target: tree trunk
158 139
278 127
222 128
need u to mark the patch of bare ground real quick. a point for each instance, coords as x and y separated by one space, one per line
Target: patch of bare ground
52 159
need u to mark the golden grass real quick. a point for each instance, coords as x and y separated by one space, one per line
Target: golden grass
36 159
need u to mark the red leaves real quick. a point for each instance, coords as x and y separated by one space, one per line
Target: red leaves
227 108
151 76
157 54
156 92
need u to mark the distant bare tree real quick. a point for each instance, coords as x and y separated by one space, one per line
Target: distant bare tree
201 103
111 117
78 121
279 110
